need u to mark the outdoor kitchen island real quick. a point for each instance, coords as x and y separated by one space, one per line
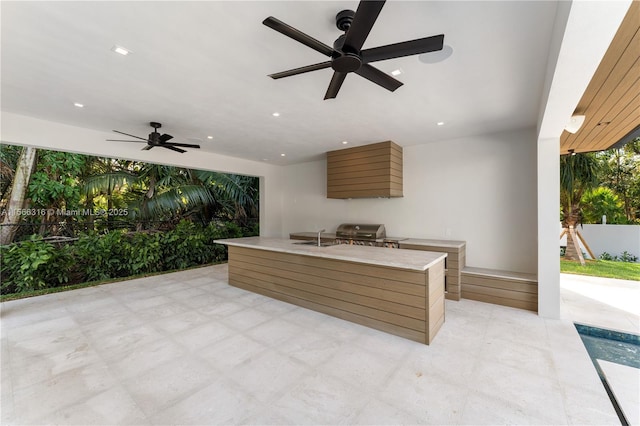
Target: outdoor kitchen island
397 291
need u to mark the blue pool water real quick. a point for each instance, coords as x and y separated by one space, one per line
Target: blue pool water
613 346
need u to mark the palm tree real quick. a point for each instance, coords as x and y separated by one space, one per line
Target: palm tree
162 192
172 191
578 174
24 168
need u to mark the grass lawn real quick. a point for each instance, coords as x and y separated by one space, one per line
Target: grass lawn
602 268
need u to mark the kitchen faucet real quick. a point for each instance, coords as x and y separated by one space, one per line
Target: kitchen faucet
319 233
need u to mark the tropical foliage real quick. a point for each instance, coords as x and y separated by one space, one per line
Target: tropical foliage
620 172
578 175
81 218
605 183
65 190
36 264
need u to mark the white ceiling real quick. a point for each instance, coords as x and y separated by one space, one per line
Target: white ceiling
200 68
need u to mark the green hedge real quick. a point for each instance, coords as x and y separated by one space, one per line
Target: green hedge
36 264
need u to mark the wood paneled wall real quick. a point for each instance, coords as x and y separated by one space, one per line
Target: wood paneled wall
505 288
398 301
365 171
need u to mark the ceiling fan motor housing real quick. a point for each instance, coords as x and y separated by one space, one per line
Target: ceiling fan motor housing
344 18
344 61
154 138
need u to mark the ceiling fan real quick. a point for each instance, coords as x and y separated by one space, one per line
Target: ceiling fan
156 139
346 54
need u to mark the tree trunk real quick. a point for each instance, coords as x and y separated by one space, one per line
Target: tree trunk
573 251
26 164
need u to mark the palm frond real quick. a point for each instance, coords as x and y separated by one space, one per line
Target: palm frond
172 201
106 183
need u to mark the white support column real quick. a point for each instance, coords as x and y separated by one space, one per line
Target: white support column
548 215
582 33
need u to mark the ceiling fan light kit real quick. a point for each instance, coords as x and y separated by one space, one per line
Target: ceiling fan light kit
347 55
575 123
156 139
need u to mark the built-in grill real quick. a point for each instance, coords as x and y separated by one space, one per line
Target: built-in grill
364 235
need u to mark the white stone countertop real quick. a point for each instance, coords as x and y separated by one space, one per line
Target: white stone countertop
439 243
401 240
396 258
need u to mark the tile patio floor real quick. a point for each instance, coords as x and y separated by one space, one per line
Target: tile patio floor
186 348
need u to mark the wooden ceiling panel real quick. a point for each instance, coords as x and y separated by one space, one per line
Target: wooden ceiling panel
607 117
611 102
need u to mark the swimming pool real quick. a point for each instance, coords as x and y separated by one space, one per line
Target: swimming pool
608 348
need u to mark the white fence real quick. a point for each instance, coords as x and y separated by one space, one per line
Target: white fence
613 239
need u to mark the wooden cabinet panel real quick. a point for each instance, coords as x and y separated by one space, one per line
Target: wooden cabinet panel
365 171
506 288
408 303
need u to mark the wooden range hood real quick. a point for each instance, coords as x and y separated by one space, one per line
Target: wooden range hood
368 171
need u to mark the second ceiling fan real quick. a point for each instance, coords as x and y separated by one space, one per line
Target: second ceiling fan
346 54
155 139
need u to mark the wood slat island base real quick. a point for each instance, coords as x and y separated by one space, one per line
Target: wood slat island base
405 302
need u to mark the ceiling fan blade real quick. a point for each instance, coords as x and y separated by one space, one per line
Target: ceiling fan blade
173 148
297 35
335 84
165 138
120 140
375 75
133 136
406 48
363 21
147 148
301 70
187 145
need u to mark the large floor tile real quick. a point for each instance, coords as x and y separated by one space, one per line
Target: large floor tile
310 347
245 319
37 402
165 384
221 402
321 399
229 353
353 364
111 407
267 376
425 395
142 359
274 332
377 412
202 335
519 391
187 348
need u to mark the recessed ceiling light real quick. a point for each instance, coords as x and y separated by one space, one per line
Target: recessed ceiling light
276 114
283 155
396 72
121 50
440 123
344 142
77 104
209 137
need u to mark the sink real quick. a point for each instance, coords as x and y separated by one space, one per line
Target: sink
315 243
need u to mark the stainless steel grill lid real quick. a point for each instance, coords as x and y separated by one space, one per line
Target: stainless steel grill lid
357 231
